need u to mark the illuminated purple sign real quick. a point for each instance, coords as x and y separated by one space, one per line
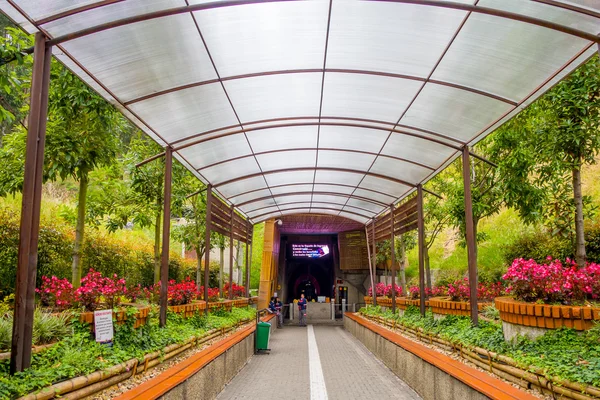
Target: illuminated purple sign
310 250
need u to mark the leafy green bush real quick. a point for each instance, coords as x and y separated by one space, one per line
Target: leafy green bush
561 353
538 246
47 328
79 354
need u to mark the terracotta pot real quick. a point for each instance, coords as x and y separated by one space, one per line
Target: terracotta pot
545 315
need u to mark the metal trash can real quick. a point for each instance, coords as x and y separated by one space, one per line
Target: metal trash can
263 330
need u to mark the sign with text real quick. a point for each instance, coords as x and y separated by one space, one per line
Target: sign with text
353 250
103 326
309 250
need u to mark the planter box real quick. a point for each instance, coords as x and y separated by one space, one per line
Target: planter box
403 303
368 300
253 300
217 305
141 317
188 310
445 306
240 302
546 316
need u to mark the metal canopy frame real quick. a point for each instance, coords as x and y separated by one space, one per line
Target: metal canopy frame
69 26
365 100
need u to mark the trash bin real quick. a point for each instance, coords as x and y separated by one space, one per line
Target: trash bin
263 329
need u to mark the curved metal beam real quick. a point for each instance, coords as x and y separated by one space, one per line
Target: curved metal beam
341 206
311 183
352 171
311 149
257 217
391 125
379 203
326 70
288 125
431 3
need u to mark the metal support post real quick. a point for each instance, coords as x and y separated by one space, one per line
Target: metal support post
373 294
207 242
247 274
421 228
164 267
231 254
393 257
470 233
30 209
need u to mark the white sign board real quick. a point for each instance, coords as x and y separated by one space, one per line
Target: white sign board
103 325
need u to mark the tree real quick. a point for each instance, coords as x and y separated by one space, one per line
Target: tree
144 202
486 196
221 243
541 153
193 230
404 243
437 217
82 132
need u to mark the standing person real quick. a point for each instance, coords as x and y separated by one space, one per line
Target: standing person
279 310
302 310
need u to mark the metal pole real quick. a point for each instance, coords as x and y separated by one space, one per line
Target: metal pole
248 240
207 242
231 255
164 267
30 209
421 228
470 233
393 257
370 267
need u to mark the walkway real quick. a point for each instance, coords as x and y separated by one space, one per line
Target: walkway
316 363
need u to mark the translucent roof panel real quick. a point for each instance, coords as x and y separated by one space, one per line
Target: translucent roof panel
490 54
187 112
275 96
105 14
367 96
216 150
370 140
148 57
453 112
382 36
265 37
283 138
344 105
287 159
345 159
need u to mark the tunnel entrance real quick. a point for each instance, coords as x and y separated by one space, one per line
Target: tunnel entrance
309 266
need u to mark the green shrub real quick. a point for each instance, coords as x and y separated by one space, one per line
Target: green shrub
538 246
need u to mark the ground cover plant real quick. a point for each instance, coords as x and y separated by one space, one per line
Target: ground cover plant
79 354
560 353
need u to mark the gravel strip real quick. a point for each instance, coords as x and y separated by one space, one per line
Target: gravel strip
128 384
457 357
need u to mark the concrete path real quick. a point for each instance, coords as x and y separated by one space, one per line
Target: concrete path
316 363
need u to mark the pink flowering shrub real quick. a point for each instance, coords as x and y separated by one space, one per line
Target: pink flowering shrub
459 291
213 294
388 290
379 290
414 292
56 293
238 291
182 292
94 287
553 282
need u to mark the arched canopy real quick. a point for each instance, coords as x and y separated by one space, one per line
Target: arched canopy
328 106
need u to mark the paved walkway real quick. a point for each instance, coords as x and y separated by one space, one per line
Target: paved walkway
316 363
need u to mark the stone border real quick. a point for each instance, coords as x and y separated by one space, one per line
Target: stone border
434 376
545 315
203 374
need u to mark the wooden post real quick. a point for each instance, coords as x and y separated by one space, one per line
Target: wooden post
421 228
30 209
164 266
393 257
209 196
231 255
470 233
